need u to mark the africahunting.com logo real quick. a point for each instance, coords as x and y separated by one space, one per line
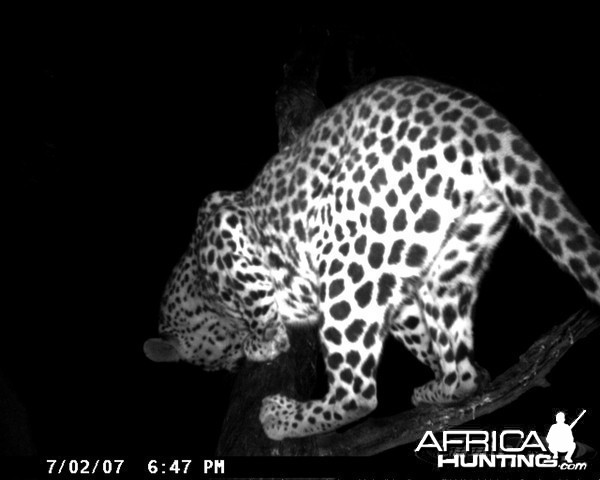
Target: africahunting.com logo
508 448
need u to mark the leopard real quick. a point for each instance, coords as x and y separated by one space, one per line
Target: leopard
379 221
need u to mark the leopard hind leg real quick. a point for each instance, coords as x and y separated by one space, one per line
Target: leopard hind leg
448 293
408 325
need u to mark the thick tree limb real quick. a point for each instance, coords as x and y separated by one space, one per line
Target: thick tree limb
378 435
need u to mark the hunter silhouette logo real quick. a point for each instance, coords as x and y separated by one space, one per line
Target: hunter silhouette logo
560 437
507 448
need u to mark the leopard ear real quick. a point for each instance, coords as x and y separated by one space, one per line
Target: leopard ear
159 350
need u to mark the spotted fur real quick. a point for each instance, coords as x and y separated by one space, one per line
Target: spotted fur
380 220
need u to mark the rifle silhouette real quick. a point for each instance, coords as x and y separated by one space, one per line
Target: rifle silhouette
577 419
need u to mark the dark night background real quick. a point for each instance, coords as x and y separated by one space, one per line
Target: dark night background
130 125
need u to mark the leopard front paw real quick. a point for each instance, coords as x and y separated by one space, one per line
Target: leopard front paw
268 346
277 335
274 416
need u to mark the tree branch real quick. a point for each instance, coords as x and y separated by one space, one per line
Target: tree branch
377 435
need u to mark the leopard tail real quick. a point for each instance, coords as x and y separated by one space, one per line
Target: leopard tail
533 195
